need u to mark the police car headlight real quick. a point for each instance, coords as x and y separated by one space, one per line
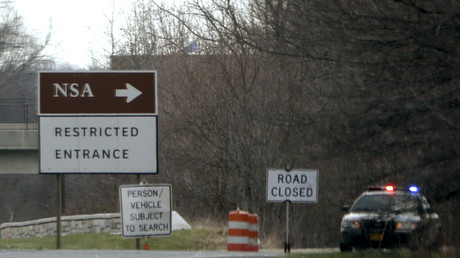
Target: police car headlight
347 224
406 225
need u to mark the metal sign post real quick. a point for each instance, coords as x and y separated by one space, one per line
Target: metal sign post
287 245
138 240
59 210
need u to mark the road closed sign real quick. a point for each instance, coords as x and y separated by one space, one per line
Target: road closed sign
145 210
295 186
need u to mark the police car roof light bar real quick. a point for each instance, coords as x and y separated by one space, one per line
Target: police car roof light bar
391 188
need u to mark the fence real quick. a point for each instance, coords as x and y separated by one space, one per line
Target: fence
18 110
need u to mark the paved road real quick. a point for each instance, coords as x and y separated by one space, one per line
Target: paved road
124 254
145 254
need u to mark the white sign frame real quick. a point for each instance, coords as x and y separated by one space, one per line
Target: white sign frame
145 209
297 185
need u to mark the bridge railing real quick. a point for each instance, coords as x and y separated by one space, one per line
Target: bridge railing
18 113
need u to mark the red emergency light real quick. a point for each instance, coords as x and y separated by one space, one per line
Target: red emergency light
389 188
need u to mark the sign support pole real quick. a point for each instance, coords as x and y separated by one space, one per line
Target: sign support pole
138 240
59 211
287 246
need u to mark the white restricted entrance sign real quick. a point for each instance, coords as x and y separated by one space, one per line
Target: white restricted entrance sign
145 210
294 186
106 144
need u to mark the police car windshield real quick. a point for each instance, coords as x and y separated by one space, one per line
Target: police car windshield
386 202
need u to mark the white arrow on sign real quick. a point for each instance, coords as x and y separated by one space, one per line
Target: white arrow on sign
130 93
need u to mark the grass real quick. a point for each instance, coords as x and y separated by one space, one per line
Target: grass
202 237
197 239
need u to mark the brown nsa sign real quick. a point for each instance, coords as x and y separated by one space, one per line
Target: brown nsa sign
122 92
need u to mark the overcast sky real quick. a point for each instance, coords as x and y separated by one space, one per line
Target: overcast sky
77 26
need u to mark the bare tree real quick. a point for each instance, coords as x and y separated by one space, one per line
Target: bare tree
381 78
19 52
365 91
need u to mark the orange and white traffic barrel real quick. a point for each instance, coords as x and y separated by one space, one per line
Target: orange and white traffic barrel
253 232
238 226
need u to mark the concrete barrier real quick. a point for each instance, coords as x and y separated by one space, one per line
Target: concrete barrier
94 223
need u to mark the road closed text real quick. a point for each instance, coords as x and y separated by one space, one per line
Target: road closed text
291 191
284 188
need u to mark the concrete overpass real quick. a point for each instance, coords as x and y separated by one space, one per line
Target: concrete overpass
19 148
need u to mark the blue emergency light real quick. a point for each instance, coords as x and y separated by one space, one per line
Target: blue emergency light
413 189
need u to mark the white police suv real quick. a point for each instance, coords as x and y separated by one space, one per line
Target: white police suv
387 217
